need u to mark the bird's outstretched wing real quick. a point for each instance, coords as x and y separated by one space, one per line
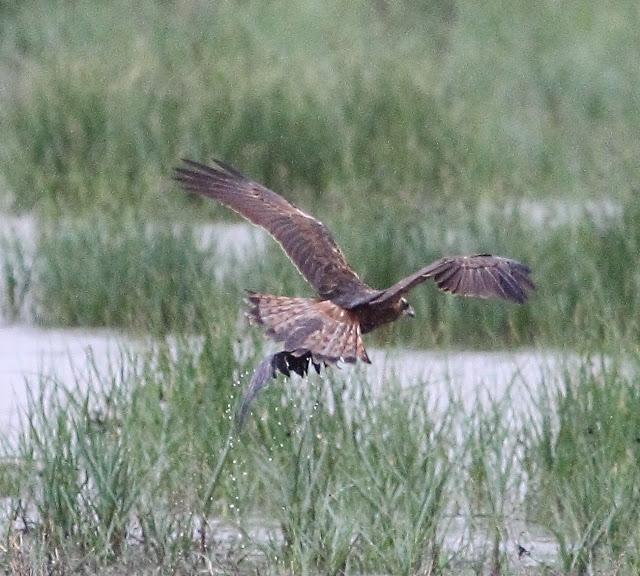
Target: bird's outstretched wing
479 276
306 240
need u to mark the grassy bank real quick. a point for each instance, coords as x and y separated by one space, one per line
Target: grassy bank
159 276
140 468
584 465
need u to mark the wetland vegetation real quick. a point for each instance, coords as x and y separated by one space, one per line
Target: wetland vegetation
412 129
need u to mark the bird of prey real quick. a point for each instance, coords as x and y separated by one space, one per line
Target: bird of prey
328 328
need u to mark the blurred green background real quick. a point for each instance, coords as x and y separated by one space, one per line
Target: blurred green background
410 101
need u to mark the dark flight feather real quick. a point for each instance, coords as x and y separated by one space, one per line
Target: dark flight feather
479 276
306 240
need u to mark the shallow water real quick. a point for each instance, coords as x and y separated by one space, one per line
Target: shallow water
471 376
27 353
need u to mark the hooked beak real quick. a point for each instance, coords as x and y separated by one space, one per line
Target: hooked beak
410 312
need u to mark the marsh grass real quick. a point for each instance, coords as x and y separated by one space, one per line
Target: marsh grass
140 465
145 456
493 480
101 123
128 456
583 454
162 276
126 273
15 278
361 484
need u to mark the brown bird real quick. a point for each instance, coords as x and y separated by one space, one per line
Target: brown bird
329 328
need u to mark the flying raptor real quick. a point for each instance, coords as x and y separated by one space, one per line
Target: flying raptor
329 328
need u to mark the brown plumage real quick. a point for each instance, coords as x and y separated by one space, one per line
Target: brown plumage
329 328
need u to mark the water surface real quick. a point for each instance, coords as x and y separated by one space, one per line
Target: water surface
27 353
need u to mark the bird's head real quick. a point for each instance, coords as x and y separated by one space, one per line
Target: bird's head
406 308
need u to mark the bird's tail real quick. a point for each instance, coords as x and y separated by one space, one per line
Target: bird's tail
283 362
308 325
